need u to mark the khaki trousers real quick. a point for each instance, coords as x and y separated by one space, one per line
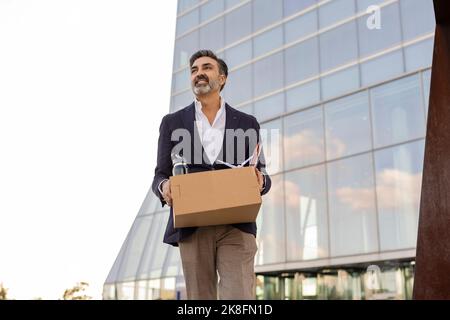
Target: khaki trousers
223 252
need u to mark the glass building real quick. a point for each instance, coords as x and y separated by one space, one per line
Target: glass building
347 102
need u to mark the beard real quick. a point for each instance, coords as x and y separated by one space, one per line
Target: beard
204 89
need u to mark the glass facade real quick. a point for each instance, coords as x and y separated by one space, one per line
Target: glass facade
344 111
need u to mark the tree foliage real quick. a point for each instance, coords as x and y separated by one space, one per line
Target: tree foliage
3 292
77 292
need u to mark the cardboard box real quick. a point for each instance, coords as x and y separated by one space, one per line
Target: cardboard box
215 197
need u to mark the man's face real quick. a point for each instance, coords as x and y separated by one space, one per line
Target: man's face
205 76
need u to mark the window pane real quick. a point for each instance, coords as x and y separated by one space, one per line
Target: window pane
238 24
269 107
135 247
382 68
397 111
412 26
232 3
184 48
187 22
238 85
211 8
248 108
399 180
271 136
153 256
302 61
362 5
268 74
211 35
293 6
340 82
182 80
389 35
182 100
348 125
338 46
270 224
268 41
239 54
335 11
426 78
303 96
300 26
419 55
306 214
303 138
352 206
266 12
183 5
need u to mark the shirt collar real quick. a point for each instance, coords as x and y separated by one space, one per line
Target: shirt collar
198 105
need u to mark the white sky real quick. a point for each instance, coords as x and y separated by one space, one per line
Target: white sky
83 87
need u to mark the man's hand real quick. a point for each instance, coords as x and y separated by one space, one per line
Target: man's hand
166 193
260 179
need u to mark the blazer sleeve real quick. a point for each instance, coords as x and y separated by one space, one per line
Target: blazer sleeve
163 168
262 161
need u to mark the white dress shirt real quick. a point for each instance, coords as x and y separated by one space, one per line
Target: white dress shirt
211 135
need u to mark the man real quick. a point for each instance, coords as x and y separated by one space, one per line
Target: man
226 250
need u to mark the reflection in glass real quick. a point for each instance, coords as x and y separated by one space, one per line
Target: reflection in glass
269 107
239 54
184 5
302 96
397 111
238 24
306 214
303 138
382 68
426 79
399 180
375 40
238 85
335 11
266 12
211 35
268 41
300 26
136 241
340 82
271 136
413 27
293 6
187 21
182 100
353 224
419 55
211 8
302 61
152 258
268 74
182 80
347 125
362 5
184 48
338 46
270 223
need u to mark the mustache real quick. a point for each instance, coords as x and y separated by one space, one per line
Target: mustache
202 77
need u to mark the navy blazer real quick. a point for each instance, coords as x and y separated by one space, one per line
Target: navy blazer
185 118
